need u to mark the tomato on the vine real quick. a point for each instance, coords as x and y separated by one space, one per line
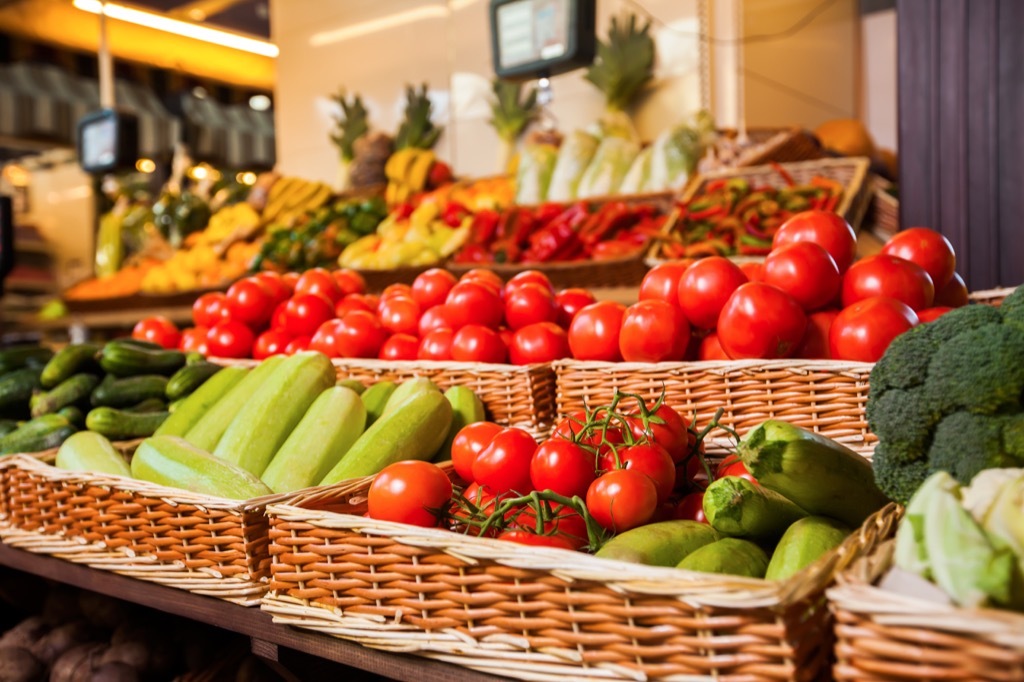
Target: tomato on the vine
504 465
653 331
562 466
733 466
622 499
469 442
411 492
863 331
594 332
691 508
672 433
705 287
891 277
761 321
648 458
159 330
526 537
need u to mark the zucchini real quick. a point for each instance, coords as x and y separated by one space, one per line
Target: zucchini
186 412
28 355
330 426
269 416
209 429
189 378
123 359
731 556
354 384
68 361
467 408
735 506
174 462
406 390
71 391
16 390
665 543
122 425
114 392
41 433
802 543
375 398
414 429
90 451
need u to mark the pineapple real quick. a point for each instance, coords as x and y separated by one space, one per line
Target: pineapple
510 115
417 130
351 125
623 67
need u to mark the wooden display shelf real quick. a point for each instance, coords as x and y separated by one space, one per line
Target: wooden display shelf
267 637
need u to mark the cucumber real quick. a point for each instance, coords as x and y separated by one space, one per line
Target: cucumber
71 391
28 355
269 416
354 384
74 415
124 359
68 361
123 425
114 392
415 429
89 451
467 408
735 506
816 473
16 390
208 430
802 543
149 405
41 433
406 390
732 556
664 543
375 398
174 462
186 412
189 378
332 424
6 426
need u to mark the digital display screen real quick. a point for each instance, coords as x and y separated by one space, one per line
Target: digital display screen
532 31
99 142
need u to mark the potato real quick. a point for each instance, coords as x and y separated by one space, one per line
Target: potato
26 633
76 664
19 665
102 611
62 638
134 654
114 672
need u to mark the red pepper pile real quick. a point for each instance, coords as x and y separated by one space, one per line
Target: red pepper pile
556 232
733 217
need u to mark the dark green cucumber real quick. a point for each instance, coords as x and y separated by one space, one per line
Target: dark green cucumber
16 390
73 415
189 378
149 405
41 433
186 412
123 359
114 392
73 390
29 355
70 360
123 425
7 425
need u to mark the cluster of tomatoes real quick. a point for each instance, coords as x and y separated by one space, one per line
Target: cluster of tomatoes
808 299
600 472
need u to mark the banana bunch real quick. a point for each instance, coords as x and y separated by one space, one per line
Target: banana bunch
408 172
422 238
290 198
237 221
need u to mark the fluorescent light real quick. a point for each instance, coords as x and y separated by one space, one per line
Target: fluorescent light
367 27
181 28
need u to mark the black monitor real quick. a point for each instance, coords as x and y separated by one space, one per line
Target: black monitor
108 140
533 38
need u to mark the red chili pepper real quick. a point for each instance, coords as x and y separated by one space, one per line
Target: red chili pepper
787 178
485 224
832 202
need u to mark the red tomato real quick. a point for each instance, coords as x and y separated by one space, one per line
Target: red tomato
437 317
932 314
209 309
289 279
506 335
483 500
304 313
824 228
594 332
250 302
436 345
396 289
360 335
473 303
711 348
270 342
469 442
476 343
805 271
754 270
529 277
325 340
662 281
321 282
410 492
733 466
159 330
297 345
653 331
230 339
705 287
275 284
565 524
761 321
525 537
193 339
891 277
622 499
570 426
927 248
400 347
649 458
399 315
570 302
865 329
488 278
504 465
691 508
562 466
431 288
954 294
528 303
815 342
354 302
279 318
541 342
666 428
349 281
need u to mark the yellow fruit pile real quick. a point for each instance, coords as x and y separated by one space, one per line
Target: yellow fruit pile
421 239
199 267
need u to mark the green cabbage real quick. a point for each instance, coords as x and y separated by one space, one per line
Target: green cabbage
611 163
575 154
533 177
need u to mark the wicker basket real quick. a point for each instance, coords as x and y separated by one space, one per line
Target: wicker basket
823 395
991 296
627 271
882 218
781 145
882 635
537 613
203 544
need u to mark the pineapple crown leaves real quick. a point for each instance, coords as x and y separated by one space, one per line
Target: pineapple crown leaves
624 64
417 130
350 125
510 113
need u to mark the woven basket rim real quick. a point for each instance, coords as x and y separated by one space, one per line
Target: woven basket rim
411 365
807 365
550 266
997 292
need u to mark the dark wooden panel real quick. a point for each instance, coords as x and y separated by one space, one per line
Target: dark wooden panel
1011 158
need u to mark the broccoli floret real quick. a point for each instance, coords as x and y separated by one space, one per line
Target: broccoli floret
1013 436
898 479
900 419
1012 309
905 363
961 320
981 370
967 443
